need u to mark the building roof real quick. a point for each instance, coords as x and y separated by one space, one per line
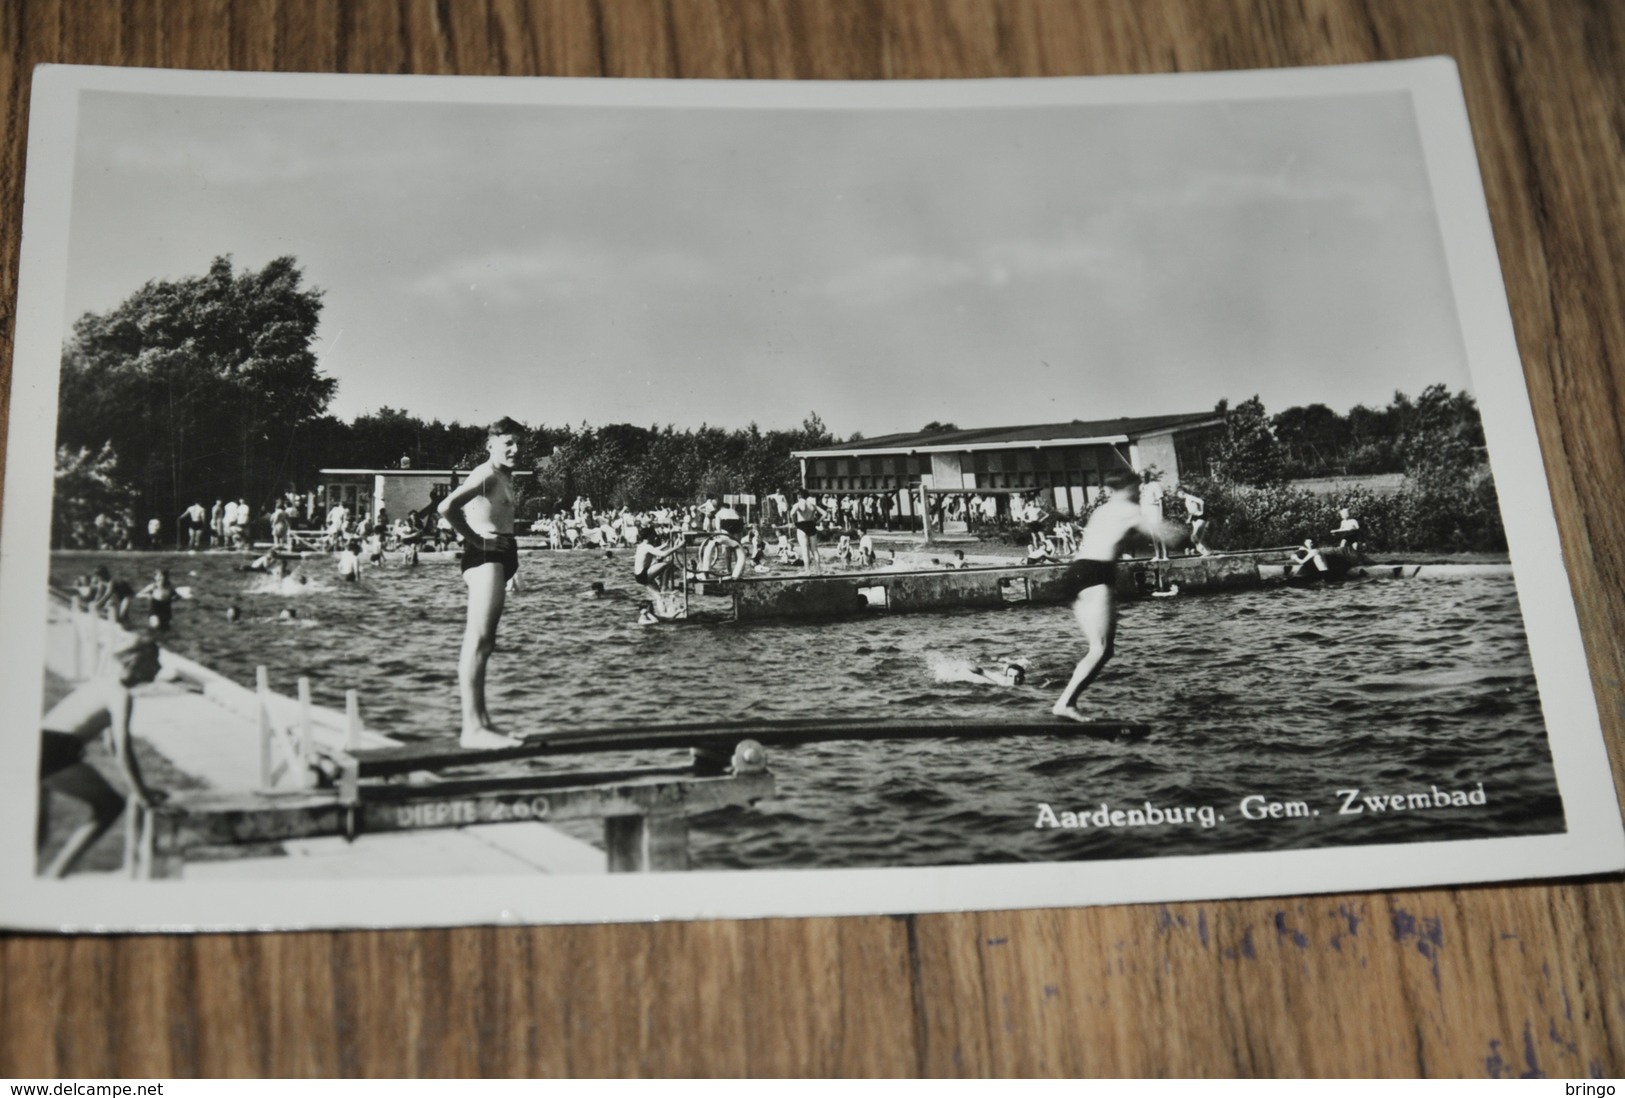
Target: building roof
441 473
1124 429
387 472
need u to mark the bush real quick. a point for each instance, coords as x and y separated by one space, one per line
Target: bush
87 485
1436 517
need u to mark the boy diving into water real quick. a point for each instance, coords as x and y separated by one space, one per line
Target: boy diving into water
1093 573
481 511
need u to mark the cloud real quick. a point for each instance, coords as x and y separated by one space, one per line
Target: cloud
559 272
898 275
1370 200
247 157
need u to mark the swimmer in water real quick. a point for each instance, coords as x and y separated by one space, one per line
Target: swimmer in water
662 607
160 595
110 595
598 591
1011 674
667 612
234 613
350 563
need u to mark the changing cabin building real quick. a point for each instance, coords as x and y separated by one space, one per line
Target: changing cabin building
364 491
400 491
1065 463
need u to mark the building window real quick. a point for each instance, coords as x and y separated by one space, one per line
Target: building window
1194 450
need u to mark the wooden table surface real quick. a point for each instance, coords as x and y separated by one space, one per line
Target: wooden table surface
1509 981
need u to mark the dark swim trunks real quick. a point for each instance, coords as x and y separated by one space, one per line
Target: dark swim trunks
809 527
162 609
501 549
1081 575
58 751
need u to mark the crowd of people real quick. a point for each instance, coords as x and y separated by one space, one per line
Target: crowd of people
777 529
234 524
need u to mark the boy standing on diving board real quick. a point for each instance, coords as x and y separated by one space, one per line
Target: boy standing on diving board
481 511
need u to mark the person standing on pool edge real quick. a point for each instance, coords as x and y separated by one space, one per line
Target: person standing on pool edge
481 511
1093 574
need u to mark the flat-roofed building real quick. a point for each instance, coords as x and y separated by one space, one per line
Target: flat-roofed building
399 491
364 491
1065 462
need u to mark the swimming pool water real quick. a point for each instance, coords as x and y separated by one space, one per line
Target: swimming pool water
1287 696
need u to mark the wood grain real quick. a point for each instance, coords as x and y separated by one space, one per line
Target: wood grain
1509 981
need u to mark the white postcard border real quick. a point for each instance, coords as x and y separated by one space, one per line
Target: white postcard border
1594 841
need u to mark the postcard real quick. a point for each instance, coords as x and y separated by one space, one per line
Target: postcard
438 501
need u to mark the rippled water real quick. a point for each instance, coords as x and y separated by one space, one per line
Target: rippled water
1398 686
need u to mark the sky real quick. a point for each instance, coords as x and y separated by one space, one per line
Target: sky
882 267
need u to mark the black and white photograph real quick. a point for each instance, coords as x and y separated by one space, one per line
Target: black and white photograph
441 500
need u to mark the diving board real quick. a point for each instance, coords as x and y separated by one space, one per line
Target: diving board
723 736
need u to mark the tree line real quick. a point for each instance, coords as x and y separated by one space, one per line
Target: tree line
1437 432
208 387
1446 501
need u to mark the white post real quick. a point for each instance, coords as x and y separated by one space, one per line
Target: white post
147 843
262 690
132 837
104 643
306 748
352 720
682 567
76 618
